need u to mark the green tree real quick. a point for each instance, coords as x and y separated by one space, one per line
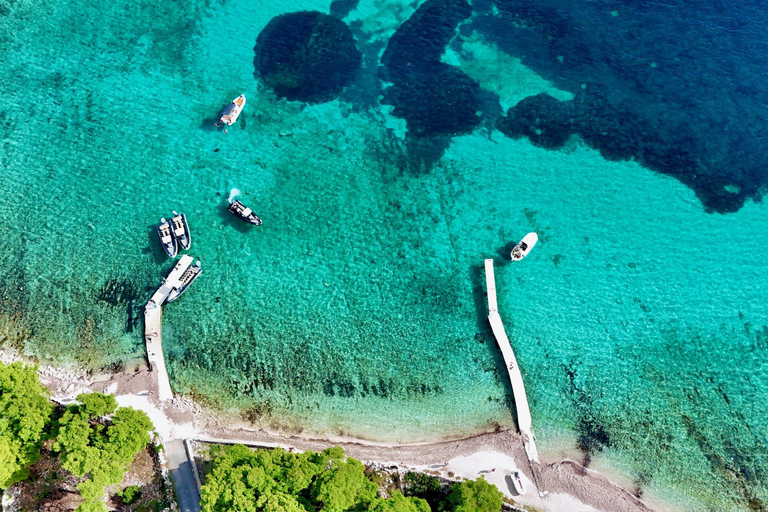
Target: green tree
234 483
8 458
280 502
92 506
343 486
247 481
475 496
25 412
73 442
128 434
96 405
243 480
426 487
87 447
399 503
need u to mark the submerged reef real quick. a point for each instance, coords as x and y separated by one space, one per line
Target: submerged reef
306 56
440 101
421 39
681 88
546 121
621 132
434 98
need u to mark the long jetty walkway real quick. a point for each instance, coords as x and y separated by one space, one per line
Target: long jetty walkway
524 421
153 327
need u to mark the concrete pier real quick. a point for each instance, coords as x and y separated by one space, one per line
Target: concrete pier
524 421
153 330
153 326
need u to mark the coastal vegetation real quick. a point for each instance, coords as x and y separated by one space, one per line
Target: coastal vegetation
275 480
25 412
89 448
93 439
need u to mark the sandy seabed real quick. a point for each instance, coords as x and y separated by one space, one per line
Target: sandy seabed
569 486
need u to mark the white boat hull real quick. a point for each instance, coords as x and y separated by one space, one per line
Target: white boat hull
233 110
525 245
180 229
243 213
167 240
518 483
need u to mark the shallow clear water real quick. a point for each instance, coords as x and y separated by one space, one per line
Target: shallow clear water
359 306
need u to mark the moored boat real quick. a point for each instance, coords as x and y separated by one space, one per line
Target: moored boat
180 230
187 278
244 213
232 111
167 240
525 245
518 483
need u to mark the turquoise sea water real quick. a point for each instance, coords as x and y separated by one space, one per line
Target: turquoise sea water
358 307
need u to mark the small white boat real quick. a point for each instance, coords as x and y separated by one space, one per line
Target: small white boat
181 230
169 243
244 213
518 483
186 279
232 111
525 245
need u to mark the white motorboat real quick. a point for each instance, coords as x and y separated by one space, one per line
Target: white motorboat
180 230
525 245
187 278
244 213
517 482
232 111
169 243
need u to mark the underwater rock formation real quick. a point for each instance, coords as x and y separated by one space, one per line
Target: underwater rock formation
546 121
434 98
621 132
421 39
684 86
439 101
306 56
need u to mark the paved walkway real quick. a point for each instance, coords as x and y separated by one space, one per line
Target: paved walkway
153 335
183 479
179 465
153 326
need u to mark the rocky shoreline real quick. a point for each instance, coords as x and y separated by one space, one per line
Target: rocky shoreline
493 455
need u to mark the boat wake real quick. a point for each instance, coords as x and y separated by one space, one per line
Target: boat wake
233 194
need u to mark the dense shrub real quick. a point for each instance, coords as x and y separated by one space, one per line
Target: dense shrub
130 494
